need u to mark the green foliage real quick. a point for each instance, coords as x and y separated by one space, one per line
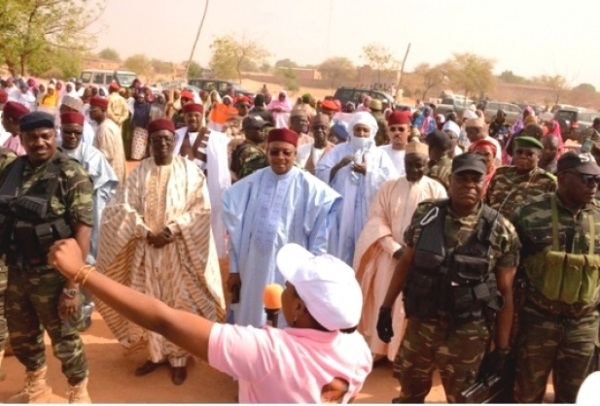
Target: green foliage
337 71
509 77
139 63
161 67
31 28
195 70
470 73
286 63
229 56
288 77
585 88
380 58
56 62
109 54
265 68
431 77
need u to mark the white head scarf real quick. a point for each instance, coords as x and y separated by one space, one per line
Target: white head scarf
365 118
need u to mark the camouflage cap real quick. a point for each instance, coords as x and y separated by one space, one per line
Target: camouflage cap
581 162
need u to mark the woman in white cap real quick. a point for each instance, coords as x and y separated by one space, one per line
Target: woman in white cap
318 359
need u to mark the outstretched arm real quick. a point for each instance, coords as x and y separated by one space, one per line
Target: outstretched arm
186 330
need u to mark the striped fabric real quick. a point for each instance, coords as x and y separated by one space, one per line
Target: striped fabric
184 274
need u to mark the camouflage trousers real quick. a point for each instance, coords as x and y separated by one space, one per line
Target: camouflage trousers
455 350
32 305
3 326
562 345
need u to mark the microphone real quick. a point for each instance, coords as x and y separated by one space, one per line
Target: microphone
272 302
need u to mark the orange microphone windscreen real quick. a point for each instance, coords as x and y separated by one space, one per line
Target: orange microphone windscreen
272 296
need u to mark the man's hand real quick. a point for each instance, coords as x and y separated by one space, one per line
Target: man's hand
161 239
360 168
398 254
234 285
493 362
384 325
67 305
345 161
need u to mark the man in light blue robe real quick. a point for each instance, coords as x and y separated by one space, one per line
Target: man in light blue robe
354 169
102 175
274 206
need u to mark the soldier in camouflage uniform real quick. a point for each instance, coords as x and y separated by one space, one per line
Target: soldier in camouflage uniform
440 164
512 186
249 156
381 138
459 259
559 324
6 157
44 196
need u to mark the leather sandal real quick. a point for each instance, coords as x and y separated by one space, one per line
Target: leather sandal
146 368
178 375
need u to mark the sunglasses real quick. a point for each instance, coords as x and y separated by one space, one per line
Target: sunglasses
276 152
585 178
397 128
527 152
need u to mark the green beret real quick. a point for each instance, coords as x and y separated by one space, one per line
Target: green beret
528 142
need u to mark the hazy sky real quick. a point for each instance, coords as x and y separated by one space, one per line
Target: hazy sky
529 37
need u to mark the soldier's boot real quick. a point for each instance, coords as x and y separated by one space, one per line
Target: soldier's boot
2 373
79 393
36 388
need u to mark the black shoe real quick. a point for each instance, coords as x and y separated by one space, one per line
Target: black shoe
178 375
146 368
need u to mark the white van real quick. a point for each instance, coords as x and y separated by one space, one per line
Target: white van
103 77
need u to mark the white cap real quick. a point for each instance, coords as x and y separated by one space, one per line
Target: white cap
588 391
327 286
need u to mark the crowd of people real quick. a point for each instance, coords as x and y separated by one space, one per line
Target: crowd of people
434 242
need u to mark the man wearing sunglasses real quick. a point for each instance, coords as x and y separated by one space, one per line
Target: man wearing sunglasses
274 206
398 128
103 178
517 184
560 258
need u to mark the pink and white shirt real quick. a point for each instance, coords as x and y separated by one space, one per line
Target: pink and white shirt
288 365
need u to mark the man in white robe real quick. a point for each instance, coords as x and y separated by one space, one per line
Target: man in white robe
310 154
208 150
156 238
381 241
356 170
274 206
398 129
103 178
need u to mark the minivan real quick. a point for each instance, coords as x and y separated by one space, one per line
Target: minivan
103 77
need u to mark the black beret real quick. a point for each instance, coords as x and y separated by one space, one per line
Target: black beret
36 119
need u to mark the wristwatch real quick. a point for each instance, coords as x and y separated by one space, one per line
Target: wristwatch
71 293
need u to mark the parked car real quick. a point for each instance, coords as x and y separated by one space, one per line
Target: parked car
513 112
574 122
353 94
103 77
220 86
448 104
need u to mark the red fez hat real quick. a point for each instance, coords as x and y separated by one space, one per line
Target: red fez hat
186 94
193 107
244 99
14 110
99 102
3 96
72 117
338 104
114 86
399 117
329 105
161 124
283 135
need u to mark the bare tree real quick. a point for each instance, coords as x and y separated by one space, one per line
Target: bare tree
230 54
337 70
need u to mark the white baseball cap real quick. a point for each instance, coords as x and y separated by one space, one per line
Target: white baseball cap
327 286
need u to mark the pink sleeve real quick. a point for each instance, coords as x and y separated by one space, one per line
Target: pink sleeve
245 353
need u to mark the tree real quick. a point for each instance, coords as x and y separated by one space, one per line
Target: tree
139 63
286 63
557 83
509 77
431 77
585 88
195 70
229 55
56 62
584 94
380 58
471 73
29 28
337 70
161 67
289 78
109 54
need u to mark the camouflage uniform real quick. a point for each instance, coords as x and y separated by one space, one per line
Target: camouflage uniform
441 171
521 188
454 346
554 335
247 159
33 292
6 157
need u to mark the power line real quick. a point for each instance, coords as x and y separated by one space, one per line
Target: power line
187 68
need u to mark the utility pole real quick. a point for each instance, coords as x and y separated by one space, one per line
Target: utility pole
187 68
